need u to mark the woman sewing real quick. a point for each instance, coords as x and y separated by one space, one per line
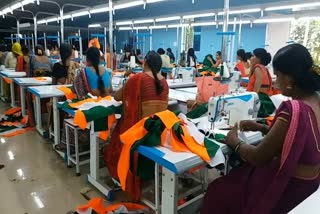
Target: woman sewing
144 94
283 170
243 65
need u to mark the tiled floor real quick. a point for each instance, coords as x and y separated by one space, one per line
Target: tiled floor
35 179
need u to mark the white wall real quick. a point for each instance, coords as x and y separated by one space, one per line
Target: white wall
277 36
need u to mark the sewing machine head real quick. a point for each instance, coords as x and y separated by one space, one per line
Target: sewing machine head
233 108
184 73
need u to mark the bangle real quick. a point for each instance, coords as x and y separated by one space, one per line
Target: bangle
236 149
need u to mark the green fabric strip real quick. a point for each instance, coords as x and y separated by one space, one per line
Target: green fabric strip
198 112
267 107
211 147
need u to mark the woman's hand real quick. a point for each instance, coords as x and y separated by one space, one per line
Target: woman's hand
232 137
250 125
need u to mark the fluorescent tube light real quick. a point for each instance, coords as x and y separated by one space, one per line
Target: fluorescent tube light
158 27
273 20
94 25
154 1
141 28
129 4
100 10
252 10
16 6
124 23
82 13
25 2
41 22
198 15
143 21
178 25
7 10
294 6
66 17
203 24
309 18
125 28
52 20
172 18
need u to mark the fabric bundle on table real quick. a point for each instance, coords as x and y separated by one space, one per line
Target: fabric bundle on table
163 129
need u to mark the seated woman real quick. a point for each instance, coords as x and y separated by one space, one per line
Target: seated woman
283 170
207 63
64 72
243 65
191 58
40 64
144 94
125 58
260 81
98 78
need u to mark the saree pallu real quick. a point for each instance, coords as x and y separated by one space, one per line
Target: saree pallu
272 188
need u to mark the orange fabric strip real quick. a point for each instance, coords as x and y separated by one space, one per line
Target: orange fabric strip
7 80
15 133
67 92
128 138
12 111
105 134
168 118
80 120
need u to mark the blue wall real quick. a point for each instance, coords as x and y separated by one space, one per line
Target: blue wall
251 38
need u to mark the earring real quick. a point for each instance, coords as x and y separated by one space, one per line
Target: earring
289 87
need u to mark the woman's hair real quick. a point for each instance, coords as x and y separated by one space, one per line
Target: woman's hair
191 52
25 50
93 56
138 52
65 53
169 50
263 55
242 54
39 49
295 61
161 51
248 55
154 62
219 53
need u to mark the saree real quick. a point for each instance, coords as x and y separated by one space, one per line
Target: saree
207 66
134 109
273 187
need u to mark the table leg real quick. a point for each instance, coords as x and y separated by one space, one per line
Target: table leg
23 101
94 154
2 86
157 187
13 102
169 202
38 116
56 121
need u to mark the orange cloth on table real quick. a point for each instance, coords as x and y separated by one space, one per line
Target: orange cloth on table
68 93
266 80
40 78
138 131
7 80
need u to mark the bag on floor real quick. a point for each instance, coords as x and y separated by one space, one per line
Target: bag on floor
208 87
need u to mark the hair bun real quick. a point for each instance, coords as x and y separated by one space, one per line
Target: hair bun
315 69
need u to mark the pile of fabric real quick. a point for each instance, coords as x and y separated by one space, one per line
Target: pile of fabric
13 123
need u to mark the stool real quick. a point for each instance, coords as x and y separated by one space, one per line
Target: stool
75 158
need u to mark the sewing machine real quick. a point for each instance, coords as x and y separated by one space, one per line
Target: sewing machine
184 73
229 109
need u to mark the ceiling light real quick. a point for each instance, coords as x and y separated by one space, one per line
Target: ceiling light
82 13
198 15
94 25
158 27
100 10
52 20
25 2
272 20
38 2
309 18
141 28
41 22
7 10
154 1
16 6
203 24
125 28
129 4
168 19
66 17
124 23
295 6
178 25
143 21
253 10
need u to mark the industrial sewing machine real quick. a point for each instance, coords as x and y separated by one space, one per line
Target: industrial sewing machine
184 73
235 107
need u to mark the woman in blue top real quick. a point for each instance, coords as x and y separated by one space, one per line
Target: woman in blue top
99 78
